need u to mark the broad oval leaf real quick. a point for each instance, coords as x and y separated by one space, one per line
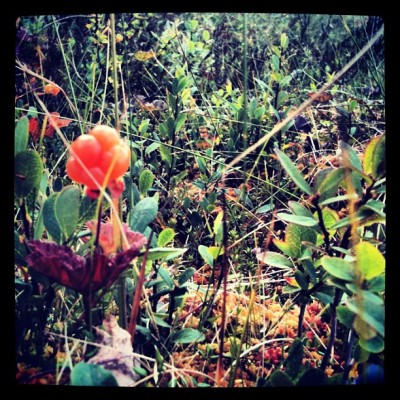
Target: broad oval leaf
166 277
28 172
369 260
348 157
166 236
299 209
84 374
49 219
146 180
294 236
338 267
374 157
186 336
66 209
298 219
328 186
143 214
185 275
206 255
21 135
274 259
180 121
374 345
293 172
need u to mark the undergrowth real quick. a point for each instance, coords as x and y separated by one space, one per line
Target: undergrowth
249 232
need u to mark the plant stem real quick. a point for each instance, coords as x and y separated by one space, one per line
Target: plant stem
333 323
301 318
224 273
138 292
245 86
25 219
348 363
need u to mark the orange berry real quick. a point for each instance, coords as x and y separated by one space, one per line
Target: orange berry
88 149
106 136
96 174
119 157
51 89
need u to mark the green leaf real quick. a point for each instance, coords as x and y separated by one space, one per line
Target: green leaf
146 180
87 210
301 279
215 251
361 355
163 253
186 275
165 277
280 379
191 24
294 236
297 219
374 157
21 135
143 126
345 316
363 217
28 170
187 335
329 184
282 97
369 260
338 267
218 228
299 209
284 41
313 377
152 147
182 84
275 63
206 35
143 214
66 209
49 219
293 172
206 255
160 322
84 374
374 345
180 121
274 259
370 308
166 236
165 152
264 209
348 157
336 199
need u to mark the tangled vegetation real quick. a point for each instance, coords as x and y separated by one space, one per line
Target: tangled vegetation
199 200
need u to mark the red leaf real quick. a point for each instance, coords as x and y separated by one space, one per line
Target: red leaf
82 274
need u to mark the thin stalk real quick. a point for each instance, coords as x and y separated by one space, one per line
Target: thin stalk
333 323
245 88
115 71
138 292
348 362
301 318
220 367
242 337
